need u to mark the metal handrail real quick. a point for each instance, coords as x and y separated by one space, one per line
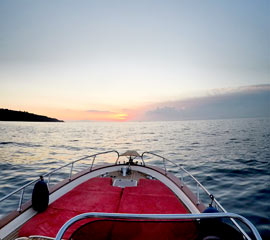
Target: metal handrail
189 174
22 189
116 162
77 218
165 159
197 189
72 164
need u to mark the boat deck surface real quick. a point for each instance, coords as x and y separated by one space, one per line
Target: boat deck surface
98 195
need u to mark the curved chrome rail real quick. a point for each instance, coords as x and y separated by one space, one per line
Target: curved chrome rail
199 185
182 169
165 164
77 218
49 174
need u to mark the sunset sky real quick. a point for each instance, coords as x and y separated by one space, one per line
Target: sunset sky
135 60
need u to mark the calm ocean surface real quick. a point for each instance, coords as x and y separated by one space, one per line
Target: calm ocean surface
230 157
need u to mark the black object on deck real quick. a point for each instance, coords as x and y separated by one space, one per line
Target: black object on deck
40 196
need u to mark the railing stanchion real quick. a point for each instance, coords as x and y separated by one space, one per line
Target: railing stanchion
21 200
49 180
70 174
92 163
198 194
182 178
164 162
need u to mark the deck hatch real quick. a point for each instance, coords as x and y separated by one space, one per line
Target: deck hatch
125 183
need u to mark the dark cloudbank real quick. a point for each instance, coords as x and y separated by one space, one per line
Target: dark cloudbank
245 102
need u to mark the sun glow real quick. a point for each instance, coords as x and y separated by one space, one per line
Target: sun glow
121 116
107 116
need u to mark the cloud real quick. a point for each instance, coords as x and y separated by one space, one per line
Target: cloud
99 111
251 101
164 113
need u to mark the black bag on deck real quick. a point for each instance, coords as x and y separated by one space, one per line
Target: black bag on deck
40 196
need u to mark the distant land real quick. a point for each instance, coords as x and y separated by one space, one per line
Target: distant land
10 115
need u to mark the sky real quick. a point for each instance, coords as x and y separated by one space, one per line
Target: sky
126 60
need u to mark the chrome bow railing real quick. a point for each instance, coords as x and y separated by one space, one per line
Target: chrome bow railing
77 218
165 163
198 187
21 190
183 171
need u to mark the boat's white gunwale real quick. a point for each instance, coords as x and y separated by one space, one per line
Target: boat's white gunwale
17 222
29 213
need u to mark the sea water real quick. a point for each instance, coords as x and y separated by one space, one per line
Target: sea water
230 157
